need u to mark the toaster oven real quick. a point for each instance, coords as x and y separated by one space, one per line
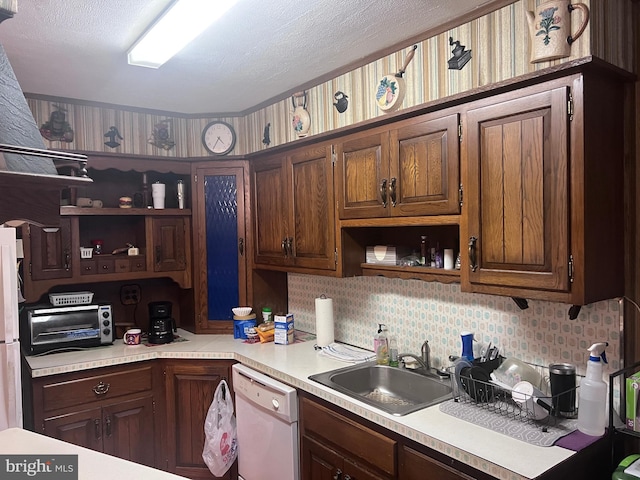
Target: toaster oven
44 327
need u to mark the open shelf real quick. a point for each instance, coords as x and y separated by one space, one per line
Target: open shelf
88 211
426 274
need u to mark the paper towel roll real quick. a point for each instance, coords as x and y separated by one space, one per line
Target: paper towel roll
324 321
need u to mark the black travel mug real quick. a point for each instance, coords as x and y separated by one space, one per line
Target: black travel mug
563 388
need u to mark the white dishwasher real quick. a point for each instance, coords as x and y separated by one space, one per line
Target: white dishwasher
267 422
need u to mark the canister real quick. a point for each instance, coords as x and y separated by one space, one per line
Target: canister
563 388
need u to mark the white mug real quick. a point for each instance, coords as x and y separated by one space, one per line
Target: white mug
158 193
132 336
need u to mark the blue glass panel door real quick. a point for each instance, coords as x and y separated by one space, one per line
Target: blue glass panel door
221 218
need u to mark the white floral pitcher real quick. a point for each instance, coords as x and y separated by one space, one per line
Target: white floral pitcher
550 29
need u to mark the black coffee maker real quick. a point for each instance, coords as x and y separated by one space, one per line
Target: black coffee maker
161 324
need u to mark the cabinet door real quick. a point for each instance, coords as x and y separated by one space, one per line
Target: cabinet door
363 176
83 428
413 465
128 430
189 391
270 214
518 191
319 462
425 167
51 251
169 244
220 242
311 208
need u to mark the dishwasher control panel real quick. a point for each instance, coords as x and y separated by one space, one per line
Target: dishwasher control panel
271 395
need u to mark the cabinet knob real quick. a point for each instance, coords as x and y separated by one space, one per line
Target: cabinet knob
383 192
241 246
473 254
101 388
338 475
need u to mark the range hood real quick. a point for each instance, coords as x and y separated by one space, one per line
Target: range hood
30 186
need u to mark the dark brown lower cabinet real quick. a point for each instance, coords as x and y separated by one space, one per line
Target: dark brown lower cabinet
111 410
413 465
322 463
189 389
121 429
334 446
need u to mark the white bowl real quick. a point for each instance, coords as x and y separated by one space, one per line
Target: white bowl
241 311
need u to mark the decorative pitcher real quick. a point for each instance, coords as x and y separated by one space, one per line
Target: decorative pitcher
550 29
301 120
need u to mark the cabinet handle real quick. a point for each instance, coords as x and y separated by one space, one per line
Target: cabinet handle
284 247
383 192
290 246
241 246
96 426
473 254
108 424
338 475
67 259
158 255
347 477
101 388
392 191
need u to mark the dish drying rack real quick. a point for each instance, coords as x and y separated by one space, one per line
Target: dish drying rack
494 398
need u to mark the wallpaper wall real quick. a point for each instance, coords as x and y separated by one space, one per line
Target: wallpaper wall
499 43
416 311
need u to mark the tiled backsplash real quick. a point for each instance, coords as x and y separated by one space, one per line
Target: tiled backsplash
415 311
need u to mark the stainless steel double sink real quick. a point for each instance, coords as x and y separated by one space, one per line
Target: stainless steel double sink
397 391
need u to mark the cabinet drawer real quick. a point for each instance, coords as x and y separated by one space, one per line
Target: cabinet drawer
72 391
122 265
105 265
138 263
347 435
88 267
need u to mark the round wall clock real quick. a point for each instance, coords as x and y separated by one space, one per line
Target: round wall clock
218 137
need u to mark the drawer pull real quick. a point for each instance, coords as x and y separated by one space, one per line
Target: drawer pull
338 475
473 253
383 192
392 191
101 388
96 426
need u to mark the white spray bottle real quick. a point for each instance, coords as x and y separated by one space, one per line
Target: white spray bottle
592 415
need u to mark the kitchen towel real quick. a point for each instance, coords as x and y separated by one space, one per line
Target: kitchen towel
324 321
346 353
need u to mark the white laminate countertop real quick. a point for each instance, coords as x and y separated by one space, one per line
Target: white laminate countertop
92 465
494 453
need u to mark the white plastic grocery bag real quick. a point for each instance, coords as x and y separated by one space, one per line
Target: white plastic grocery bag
221 436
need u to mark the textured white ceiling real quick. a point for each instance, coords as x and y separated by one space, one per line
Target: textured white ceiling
258 51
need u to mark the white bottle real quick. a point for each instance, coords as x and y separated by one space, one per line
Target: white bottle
592 415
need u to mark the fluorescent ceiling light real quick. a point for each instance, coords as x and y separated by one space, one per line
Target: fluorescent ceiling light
183 21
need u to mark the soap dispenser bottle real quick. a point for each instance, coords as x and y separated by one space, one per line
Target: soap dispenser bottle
381 345
592 415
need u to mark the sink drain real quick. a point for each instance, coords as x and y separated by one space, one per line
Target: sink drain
385 398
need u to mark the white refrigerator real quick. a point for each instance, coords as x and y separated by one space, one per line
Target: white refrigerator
10 381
